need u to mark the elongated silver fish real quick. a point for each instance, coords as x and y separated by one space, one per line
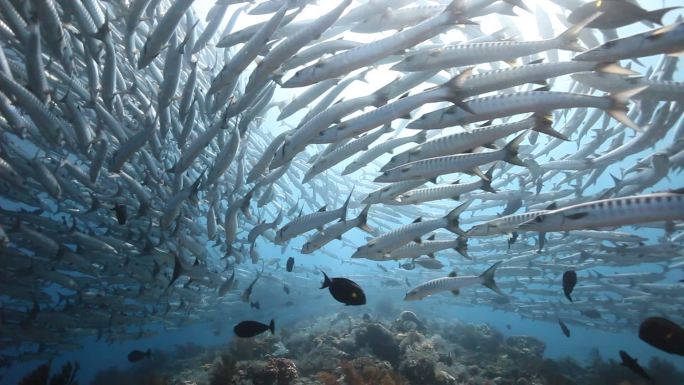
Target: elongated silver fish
656 207
454 284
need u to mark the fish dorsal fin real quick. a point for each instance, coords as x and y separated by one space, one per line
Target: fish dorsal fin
453 274
538 61
431 237
417 220
552 206
325 207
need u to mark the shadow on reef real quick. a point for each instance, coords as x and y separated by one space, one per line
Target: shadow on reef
41 374
343 350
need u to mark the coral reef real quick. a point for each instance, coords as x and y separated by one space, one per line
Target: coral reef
275 371
40 375
380 341
346 350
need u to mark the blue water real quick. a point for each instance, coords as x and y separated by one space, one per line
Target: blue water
311 302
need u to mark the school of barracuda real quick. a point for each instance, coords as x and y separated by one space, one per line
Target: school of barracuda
140 173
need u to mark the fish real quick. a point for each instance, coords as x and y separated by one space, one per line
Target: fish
476 53
335 231
633 365
569 282
431 168
121 213
311 221
616 13
344 290
564 328
146 156
138 355
383 245
369 53
249 329
228 285
663 334
454 283
248 291
290 264
667 39
663 206
591 313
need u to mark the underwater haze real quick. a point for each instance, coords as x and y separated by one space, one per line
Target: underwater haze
348 192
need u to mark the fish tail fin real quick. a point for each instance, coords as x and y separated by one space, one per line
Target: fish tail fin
519 4
511 151
614 68
488 278
618 106
452 218
271 326
455 11
486 183
421 137
544 125
363 219
462 247
326 281
568 39
346 205
657 15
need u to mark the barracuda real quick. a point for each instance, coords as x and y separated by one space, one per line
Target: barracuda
476 53
541 101
454 284
433 167
384 244
465 141
336 231
369 53
451 191
304 223
656 207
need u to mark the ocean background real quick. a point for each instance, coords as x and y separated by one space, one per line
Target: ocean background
384 302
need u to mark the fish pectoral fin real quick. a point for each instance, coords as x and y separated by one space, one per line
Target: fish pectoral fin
577 215
456 292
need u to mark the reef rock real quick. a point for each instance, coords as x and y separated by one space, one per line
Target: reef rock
275 371
418 371
381 342
524 348
408 321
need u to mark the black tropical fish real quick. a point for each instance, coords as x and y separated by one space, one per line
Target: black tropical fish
569 282
633 365
564 328
247 329
290 264
344 290
138 355
121 213
663 334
